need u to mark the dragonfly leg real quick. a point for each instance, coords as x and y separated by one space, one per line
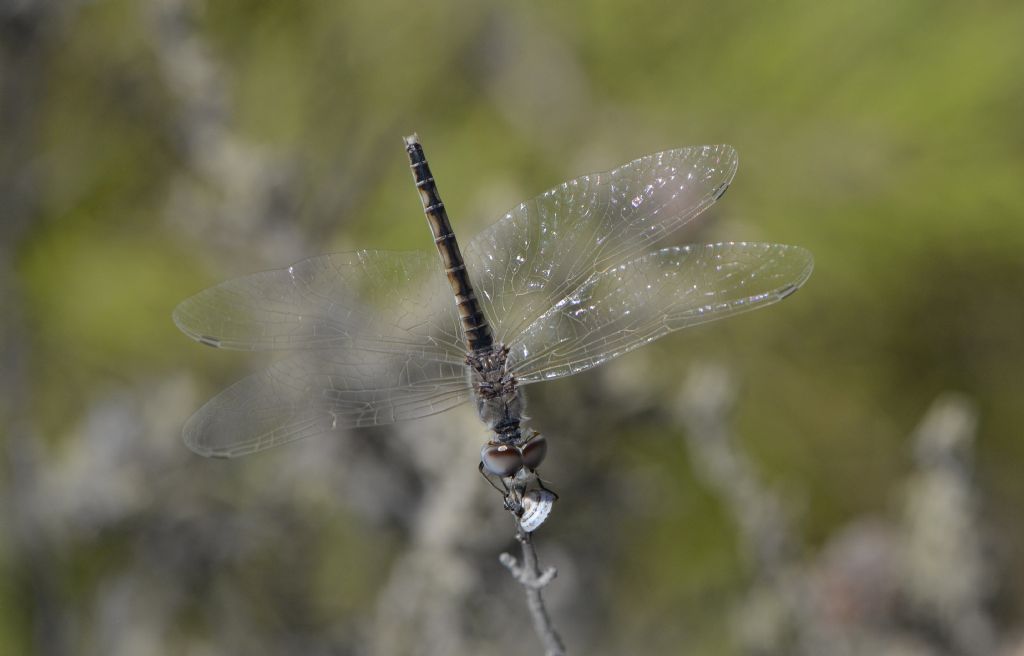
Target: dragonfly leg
540 484
490 479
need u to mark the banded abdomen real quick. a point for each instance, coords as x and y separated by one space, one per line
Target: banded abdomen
479 338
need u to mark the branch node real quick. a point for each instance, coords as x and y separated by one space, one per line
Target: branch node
546 577
510 563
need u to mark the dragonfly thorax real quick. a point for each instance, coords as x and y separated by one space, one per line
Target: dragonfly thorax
499 401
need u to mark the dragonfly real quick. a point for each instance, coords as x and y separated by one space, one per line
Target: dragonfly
560 284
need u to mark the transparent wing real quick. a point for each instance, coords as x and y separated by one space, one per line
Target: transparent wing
637 302
547 247
378 301
316 392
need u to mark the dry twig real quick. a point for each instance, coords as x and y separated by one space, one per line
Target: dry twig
533 581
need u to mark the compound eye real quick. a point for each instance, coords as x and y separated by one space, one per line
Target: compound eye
534 452
501 459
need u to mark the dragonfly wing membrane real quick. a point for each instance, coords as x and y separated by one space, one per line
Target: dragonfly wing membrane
375 300
315 393
648 297
547 247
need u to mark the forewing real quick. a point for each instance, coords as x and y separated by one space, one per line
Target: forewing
635 303
379 301
547 247
317 392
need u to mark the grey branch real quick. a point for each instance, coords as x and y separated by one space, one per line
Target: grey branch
533 581
706 403
948 578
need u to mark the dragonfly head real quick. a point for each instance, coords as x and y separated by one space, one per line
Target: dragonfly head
514 465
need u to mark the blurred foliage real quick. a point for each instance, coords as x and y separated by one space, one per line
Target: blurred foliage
885 137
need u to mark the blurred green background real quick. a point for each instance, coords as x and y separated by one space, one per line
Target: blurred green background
151 149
